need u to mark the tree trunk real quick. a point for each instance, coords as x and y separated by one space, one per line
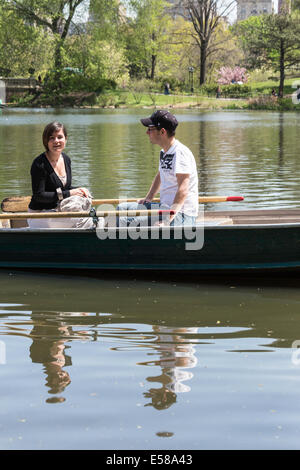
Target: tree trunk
58 64
57 55
61 30
153 58
153 65
203 50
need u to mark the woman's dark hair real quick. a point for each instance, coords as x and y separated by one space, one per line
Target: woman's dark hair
49 131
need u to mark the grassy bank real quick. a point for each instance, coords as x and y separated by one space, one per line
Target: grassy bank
127 99
152 100
258 97
138 100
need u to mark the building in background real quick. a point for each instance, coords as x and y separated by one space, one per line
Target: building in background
177 8
246 8
284 6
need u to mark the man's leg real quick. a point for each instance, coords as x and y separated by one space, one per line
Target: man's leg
183 219
137 221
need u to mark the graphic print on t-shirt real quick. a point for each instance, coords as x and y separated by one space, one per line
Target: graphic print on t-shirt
166 161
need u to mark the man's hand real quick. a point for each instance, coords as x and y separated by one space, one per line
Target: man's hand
142 201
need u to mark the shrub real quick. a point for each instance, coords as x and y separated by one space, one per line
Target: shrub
144 86
227 91
208 90
235 91
107 99
271 103
263 102
75 81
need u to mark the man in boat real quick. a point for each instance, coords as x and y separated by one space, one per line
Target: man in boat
176 179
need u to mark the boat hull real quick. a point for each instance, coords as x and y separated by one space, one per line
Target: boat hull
225 248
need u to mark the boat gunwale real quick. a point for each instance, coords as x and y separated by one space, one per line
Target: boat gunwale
252 226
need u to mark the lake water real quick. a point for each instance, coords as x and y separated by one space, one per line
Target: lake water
125 362
254 154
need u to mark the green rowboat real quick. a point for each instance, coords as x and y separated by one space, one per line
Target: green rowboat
248 241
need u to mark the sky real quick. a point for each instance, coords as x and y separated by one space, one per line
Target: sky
83 12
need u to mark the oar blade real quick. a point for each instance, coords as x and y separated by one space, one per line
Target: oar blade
235 198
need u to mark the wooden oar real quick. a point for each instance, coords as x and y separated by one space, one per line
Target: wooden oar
51 215
20 203
202 199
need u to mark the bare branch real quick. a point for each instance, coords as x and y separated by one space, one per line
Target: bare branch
205 16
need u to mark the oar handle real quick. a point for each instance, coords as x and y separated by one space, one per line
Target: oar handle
58 215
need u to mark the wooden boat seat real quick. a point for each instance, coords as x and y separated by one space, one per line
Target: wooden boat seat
259 217
15 204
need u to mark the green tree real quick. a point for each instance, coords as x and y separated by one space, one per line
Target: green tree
56 16
179 53
23 46
272 41
296 5
98 59
146 36
106 18
206 16
99 51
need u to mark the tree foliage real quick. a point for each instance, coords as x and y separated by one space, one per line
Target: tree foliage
145 41
56 16
106 19
224 50
206 16
271 41
22 46
229 75
147 36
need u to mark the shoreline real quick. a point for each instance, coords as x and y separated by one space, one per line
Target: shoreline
260 103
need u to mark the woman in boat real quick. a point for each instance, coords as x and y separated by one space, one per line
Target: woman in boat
51 176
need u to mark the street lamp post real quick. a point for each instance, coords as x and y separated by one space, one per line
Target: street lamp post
191 78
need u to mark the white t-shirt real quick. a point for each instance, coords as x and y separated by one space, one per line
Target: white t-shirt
178 159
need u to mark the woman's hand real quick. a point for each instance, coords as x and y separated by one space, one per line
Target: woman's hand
83 192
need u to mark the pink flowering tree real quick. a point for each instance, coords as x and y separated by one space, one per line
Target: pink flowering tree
229 75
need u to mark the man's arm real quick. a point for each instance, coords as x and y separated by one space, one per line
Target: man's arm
154 188
183 181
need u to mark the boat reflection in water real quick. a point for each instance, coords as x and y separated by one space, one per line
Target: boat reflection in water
174 348
176 354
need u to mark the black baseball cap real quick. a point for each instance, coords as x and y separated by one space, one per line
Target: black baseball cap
161 119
